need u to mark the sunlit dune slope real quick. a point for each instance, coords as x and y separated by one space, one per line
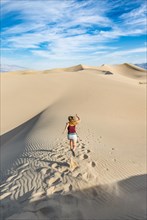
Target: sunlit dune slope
127 70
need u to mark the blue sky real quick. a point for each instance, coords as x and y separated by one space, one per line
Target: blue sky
44 34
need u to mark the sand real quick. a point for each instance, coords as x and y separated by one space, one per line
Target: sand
40 179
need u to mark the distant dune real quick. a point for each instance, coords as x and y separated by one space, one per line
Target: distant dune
23 72
40 179
127 70
79 67
74 68
68 69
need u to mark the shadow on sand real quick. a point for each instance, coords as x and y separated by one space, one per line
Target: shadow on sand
17 138
125 199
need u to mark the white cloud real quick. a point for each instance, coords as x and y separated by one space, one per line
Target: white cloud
54 22
68 29
127 52
136 17
70 18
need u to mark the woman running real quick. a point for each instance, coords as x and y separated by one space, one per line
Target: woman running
72 135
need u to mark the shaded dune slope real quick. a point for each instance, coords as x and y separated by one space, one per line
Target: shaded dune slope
17 138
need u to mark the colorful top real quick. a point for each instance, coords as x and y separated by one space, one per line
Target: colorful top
71 129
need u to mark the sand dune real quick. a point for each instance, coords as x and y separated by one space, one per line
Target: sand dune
39 177
128 70
76 68
79 67
125 70
22 72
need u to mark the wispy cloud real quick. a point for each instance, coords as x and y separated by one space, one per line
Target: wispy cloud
136 16
128 52
62 30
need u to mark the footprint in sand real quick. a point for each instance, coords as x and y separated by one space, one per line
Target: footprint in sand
112 150
37 196
114 160
89 176
77 174
82 150
63 169
88 151
68 187
51 174
84 157
43 170
59 156
50 191
92 164
52 155
55 189
63 159
54 166
53 180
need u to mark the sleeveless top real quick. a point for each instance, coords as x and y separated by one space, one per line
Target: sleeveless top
71 129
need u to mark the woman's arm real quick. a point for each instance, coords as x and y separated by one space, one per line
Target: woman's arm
78 118
65 127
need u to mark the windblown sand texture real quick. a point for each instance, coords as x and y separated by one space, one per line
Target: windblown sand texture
39 177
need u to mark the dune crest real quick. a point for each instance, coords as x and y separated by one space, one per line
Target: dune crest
74 68
127 70
135 67
68 69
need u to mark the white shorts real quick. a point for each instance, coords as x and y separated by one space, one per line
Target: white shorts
72 136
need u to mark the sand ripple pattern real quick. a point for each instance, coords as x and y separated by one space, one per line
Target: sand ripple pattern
49 183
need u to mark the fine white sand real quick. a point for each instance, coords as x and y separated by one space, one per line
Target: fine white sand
39 177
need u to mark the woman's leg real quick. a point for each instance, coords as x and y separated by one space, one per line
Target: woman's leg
71 144
72 149
74 144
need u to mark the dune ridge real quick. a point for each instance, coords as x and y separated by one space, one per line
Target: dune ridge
68 69
135 67
127 70
40 179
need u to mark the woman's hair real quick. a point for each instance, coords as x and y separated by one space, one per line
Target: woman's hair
72 120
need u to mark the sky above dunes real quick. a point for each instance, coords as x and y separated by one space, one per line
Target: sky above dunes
43 34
